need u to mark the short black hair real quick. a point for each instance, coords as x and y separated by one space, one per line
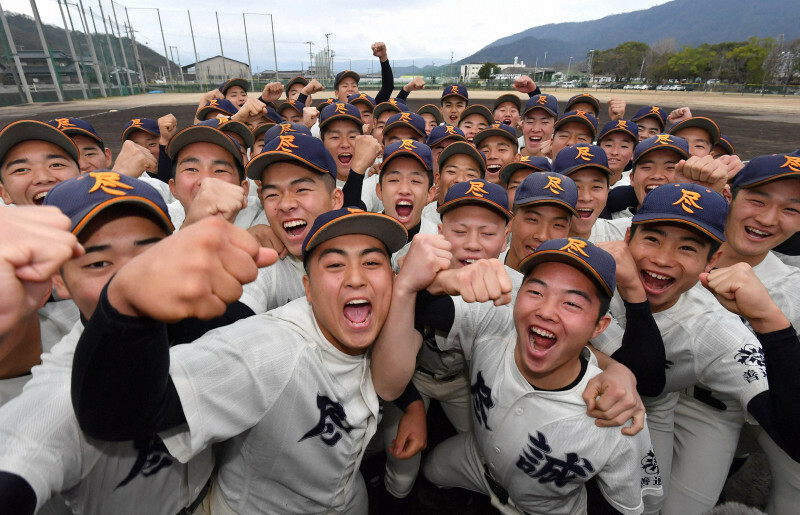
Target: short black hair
324 130
603 298
308 255
428 174
714 245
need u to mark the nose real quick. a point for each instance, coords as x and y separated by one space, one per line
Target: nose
473 241
767 216
42 175
355 276
287 201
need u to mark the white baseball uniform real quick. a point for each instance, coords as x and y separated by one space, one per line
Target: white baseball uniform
275 285
609 230
298 412
245 218
430 213
539 445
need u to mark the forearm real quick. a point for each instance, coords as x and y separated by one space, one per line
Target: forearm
642 350
394 354
16 494
164 165
387 83
190 329
121 389
352 190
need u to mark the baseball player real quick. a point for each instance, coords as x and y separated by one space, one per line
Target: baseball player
459 162
618 139
499 144
538 119
701 133
404 126
383 112
454 100
432 115
724 147
365 105
650 121
405 184
235 91
94 155
144 132
521 452
512 174
583 102
506 109
572 128
439 139
294 86
474 119
291 111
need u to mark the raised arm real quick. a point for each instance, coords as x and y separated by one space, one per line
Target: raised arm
387 77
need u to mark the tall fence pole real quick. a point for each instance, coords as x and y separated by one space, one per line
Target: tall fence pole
164 41
247 45
142 79
221 51
72 51
194 46
46 49
110 47
23 83
90 42
274 50
121 46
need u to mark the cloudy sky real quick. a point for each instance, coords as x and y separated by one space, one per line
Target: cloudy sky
418 30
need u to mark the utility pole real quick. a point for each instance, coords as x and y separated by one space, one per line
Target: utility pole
90 42
129 27
451 66
177 52
311 58
224 68
121 45
247 45
110 47
328 53
23 83
46 50
194 47
72 51
164 41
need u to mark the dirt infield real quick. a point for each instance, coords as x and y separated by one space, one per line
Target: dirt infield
756 124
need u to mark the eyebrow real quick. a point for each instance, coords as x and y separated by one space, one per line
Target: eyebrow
137 243
537 213
579 293
363 253
295 182
766 195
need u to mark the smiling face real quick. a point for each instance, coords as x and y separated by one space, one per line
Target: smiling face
669 259
31 169
537 126
293 196
619 150
507 113
198 161
452 107
457 168
430 122
763 217
555 315
475 232
294 91
237 95
472 125
380 123
499 151
592 196
339 139
699 140
366 114
652 170
92 156
113 238
405 189
346 87
648 127
533 225
349 286
146 140
570 133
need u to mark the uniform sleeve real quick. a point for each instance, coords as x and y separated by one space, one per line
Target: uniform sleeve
164 165
352 190
387 83
631 474
259 295
642 349
475 322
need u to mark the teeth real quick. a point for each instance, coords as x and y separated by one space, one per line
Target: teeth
756 231
534 138
493 167
657 276
345 155
293 223
586 210
652 187
542 332
469 261
404 203
40 196
357 301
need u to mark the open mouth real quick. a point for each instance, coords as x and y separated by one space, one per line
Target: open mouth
756 234
467 261
295 228
403 208
358 312
453 118
345 159
650 187
493 169
585 213
655 283
540 341
507 121
38 199
535 140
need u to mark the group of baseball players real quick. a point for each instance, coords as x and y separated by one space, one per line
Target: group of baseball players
233 314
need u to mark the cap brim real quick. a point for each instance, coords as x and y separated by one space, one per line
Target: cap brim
27 130
202 134
397 124
242 83
543 108
241 129
561 256
467 149
127 132
514 99
459 95
707 124
382 227
678 219
431 110
584 99
579 119
296 80
404 153
623 131
674 148
660 120
511 168
545 200
255 168
346 74
77 131
348 117
490 132
485 202
262 129
457 137
759 182
480 110
584 166
140 202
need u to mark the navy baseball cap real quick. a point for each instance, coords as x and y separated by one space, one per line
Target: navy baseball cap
262 128
443 132
147 125
457 90
726 144
411 120
583 97
76 126
433 110
343 75
701 122
238 81
688 204
655 112
285 128
217 105
508 97
234 127
306 151
531 164
480 110
325 103
582 254
295 80
290 104
340 111
547 188
273 116
587 119
626 127
497 129
393 105
27 130
548 103
663 141
763 169
361 98
84 197
579 157
408 148
462 147
350 220
203 134
478 192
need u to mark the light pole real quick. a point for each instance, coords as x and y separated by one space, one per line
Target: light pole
569 67
179 60
274 50
163 40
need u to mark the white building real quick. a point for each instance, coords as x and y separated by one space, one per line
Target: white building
218 69
469 72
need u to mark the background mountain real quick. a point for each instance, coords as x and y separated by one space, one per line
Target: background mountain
689 22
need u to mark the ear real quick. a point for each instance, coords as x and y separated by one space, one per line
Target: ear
726 192
337 197
628 235
60 286
713 261
108 157
379 191
505 236
439 226
246 187
4 195
601 326
517 156
172 186
307 286
431 195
